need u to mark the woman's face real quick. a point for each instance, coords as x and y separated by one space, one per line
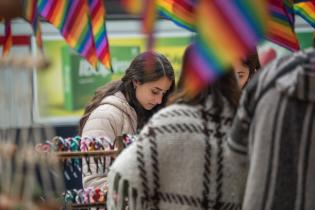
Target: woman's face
150 94
242 73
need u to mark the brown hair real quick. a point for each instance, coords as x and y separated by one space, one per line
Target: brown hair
227 87
139 70
253 64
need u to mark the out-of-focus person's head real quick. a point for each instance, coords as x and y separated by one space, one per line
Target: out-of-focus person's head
246 68
225 86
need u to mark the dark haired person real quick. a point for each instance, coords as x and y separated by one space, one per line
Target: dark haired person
125 106
246 68
274 129
181 160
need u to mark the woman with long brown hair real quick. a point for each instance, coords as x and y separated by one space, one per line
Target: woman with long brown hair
124 106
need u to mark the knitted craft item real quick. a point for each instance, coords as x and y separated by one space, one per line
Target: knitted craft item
180 161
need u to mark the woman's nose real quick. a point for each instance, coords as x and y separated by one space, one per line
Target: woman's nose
158 99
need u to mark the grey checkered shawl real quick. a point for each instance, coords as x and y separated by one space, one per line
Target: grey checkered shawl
275 128
180 161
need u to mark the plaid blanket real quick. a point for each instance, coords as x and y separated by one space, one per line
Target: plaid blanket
180 161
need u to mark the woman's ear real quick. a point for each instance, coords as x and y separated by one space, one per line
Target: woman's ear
135 83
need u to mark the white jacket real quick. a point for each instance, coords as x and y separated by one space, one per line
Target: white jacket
112 118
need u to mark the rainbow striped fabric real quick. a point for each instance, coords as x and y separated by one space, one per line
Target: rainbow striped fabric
98 14
73 21
307 11
147 9
133 6
281 25
227 32
180 12
8 39
148 19
32 16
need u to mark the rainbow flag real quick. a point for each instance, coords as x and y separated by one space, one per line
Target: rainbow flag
148 16
180 12
227 31
8 39
281 24
31 15
73 21
148 19
147 9
133 6
98 13
307 11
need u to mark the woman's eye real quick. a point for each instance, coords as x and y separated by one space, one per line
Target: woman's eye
240 76
154 92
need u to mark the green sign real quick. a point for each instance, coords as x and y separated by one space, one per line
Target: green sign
305 39
80 80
